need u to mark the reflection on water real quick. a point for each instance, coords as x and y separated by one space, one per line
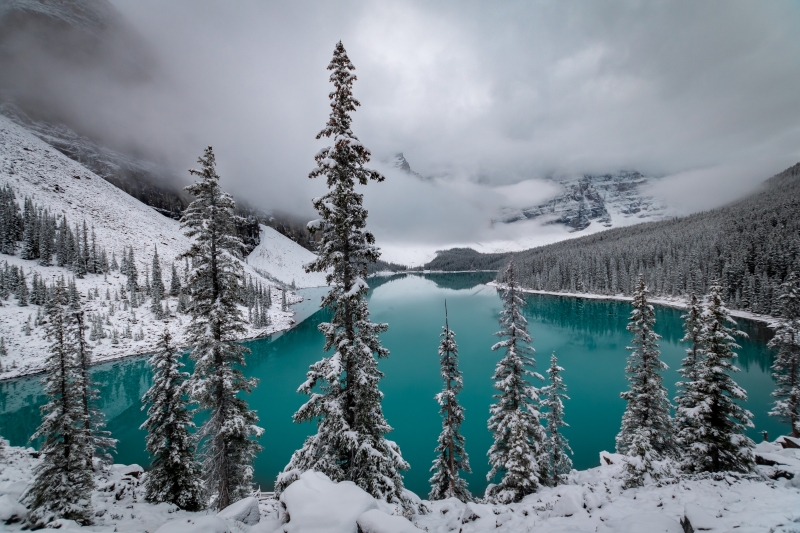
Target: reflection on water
589 337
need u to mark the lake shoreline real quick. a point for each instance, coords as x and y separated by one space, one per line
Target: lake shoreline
677 303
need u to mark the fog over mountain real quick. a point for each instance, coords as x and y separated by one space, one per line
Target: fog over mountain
488 102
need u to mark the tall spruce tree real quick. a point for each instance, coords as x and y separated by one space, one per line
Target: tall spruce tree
156 287
786 368
518 451
63 481
22 290
131 271
715 440
451 456
228 448
560 465
174 475
648 407
350 443
175 282
684 404
101 444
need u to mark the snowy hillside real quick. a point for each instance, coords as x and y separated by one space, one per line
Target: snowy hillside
280 258
35 170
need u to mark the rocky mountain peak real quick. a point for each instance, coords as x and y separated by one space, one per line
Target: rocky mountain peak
607 199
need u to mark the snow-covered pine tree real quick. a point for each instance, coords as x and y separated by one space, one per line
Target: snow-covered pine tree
175 282
22 290
174 475
521 463
786 368
514 420
101 444
648 406
639 459
63 481
451 456
715 441
284 308
227 445
350 443
684 404
79 264
46 243
132 272
85 248
156 287
560 465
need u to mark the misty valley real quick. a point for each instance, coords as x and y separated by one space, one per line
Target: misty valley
533 267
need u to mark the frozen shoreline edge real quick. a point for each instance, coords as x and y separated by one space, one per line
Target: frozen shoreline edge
677 303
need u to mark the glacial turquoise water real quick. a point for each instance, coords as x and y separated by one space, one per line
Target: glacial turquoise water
588 336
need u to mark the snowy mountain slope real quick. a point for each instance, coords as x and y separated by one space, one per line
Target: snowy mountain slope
144 180
606 199
283 259
91 16
36 170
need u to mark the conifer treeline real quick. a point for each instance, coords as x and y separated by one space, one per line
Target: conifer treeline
750 246
37 234
48 237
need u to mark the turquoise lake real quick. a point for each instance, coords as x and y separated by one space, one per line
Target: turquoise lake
588 336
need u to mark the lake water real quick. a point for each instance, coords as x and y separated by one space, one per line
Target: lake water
588 336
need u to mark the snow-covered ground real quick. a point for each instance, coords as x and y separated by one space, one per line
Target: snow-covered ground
283 259
594 500
36 170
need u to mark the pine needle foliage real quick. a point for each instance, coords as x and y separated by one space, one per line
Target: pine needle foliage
684 403
647 404
101 444
227 445
451 456
786 369
345 401
558 450
517 454
175 475
715 441
156 287
63 481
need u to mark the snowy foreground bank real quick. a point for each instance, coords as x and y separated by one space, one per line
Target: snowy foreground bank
593 501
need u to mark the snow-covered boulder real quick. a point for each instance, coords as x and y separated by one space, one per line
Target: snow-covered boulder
11 510
315 503
129 470
199 524
244 511
608 458
375 521
695 518
640 523
570 501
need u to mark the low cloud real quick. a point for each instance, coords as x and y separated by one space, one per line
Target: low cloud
489 98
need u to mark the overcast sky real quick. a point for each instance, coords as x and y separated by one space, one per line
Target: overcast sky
485 94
